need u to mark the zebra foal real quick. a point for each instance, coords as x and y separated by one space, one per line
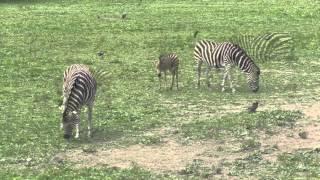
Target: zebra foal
79 88
226 55
168 62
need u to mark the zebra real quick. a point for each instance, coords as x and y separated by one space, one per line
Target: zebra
167 62
266 46
226 55
79 88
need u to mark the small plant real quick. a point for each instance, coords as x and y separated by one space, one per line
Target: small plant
149 140
250 144
196 168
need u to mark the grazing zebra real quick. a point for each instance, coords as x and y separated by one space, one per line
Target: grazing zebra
168 62
266 46
226 55
79 88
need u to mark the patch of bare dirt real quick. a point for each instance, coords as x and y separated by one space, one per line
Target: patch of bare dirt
289 140
169 156
173 157
312 111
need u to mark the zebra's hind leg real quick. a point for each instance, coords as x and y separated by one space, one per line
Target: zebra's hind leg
159 82
208 77
89 119
165 80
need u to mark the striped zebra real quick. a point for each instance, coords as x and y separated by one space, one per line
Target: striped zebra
226 55
79 88
266 46
167 62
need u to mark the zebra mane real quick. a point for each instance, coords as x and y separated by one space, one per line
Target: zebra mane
248 57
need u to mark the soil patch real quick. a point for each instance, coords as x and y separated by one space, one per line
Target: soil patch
171 156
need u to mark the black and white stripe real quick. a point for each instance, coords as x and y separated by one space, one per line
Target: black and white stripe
267 46
226 55
79 88
167 62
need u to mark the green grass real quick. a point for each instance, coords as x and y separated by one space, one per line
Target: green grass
39 39
304 164
238 124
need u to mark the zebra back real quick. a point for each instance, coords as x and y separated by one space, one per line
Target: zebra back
78 74
266 46
203 49
167 61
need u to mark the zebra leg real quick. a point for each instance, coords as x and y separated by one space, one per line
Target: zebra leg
89 120
199 72
224 79
230 80
165 80
208 76
77 130
173 75
177 82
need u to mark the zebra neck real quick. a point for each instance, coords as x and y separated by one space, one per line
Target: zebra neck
69 109
246 65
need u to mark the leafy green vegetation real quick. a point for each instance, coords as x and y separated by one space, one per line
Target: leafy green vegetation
298 164
239 124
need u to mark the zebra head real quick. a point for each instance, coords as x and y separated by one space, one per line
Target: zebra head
69 120
253 80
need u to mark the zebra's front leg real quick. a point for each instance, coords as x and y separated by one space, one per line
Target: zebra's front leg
223 80
199 72
173 75
231 85
77 130
177 82
89 120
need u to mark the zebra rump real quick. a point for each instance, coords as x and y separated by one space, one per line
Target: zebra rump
267 46
79 88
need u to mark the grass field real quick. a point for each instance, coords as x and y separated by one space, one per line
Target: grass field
141 132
